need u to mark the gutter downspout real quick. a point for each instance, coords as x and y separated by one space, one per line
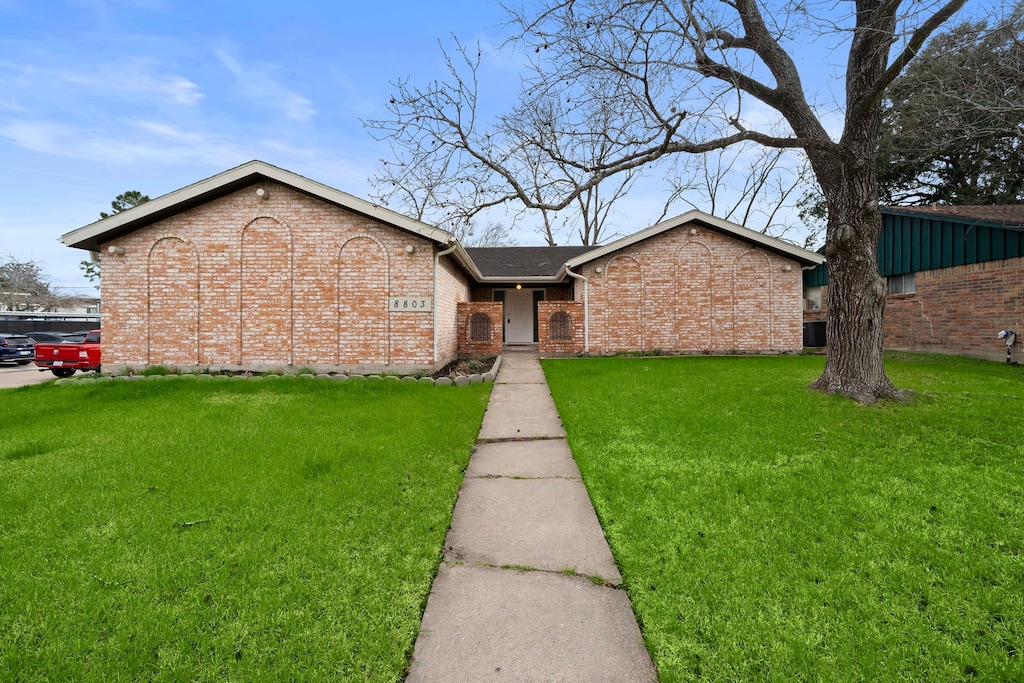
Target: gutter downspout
437 261
586 306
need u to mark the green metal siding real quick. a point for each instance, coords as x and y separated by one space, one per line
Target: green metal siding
816 277
912 243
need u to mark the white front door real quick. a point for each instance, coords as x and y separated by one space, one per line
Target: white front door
518 316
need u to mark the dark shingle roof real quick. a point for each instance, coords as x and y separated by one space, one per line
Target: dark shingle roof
515 262
1008 214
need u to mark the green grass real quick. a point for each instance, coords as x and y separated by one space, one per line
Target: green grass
767 532
175 529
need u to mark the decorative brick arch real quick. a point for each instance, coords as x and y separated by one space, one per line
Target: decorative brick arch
694 303
363 319
172 285
753 325
265 292
624 295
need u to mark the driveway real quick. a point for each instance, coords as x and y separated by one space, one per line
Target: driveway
12 375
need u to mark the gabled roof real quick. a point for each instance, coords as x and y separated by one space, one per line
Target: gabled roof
93 235
516 262
803 256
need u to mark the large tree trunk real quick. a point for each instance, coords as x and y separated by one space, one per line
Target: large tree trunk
856 292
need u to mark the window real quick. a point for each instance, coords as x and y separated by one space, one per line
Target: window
812 299
560 326
901 284
480 327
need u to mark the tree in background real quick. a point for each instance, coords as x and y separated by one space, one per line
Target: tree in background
755 186
433 180
954 121
123 202
678 77
24 287
953 131
491 234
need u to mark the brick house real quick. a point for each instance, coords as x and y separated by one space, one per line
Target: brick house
258 268
955 277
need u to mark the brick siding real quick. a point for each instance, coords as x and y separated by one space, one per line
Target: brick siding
575 343
452 290
247 283
701 292
957 310
489 347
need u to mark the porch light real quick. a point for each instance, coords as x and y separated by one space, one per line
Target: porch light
518 286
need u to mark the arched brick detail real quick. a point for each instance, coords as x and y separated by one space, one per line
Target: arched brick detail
363 331
561 327
624 318
466 311
172 268
694 309
752 318
266 293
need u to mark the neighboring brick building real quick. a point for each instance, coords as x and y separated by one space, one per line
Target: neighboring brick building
955 276
258 268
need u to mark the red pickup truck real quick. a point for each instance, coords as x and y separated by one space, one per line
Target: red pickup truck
64 359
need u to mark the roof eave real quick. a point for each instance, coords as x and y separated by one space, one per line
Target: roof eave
939 215
776 245
93 235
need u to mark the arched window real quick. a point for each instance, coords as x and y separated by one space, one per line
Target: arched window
480 327
560 326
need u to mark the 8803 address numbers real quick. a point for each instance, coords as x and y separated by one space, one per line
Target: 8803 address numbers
411 304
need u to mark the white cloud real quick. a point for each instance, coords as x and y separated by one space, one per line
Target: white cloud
174 147
135 77
124 76
167 131
261 84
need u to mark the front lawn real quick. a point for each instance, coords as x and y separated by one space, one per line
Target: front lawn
766 532
177 529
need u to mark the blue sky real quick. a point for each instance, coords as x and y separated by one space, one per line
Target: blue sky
98 97
102 96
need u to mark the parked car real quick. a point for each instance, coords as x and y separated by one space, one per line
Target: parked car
17 348
65 358
50 337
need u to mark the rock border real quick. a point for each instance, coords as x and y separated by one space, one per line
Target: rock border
460 381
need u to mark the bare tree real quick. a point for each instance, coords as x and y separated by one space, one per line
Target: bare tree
436 178
24 287
757 187
491 234
679 77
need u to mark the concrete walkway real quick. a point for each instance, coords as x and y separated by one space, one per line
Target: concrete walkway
528 590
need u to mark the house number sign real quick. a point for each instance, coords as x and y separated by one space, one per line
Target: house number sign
411 304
